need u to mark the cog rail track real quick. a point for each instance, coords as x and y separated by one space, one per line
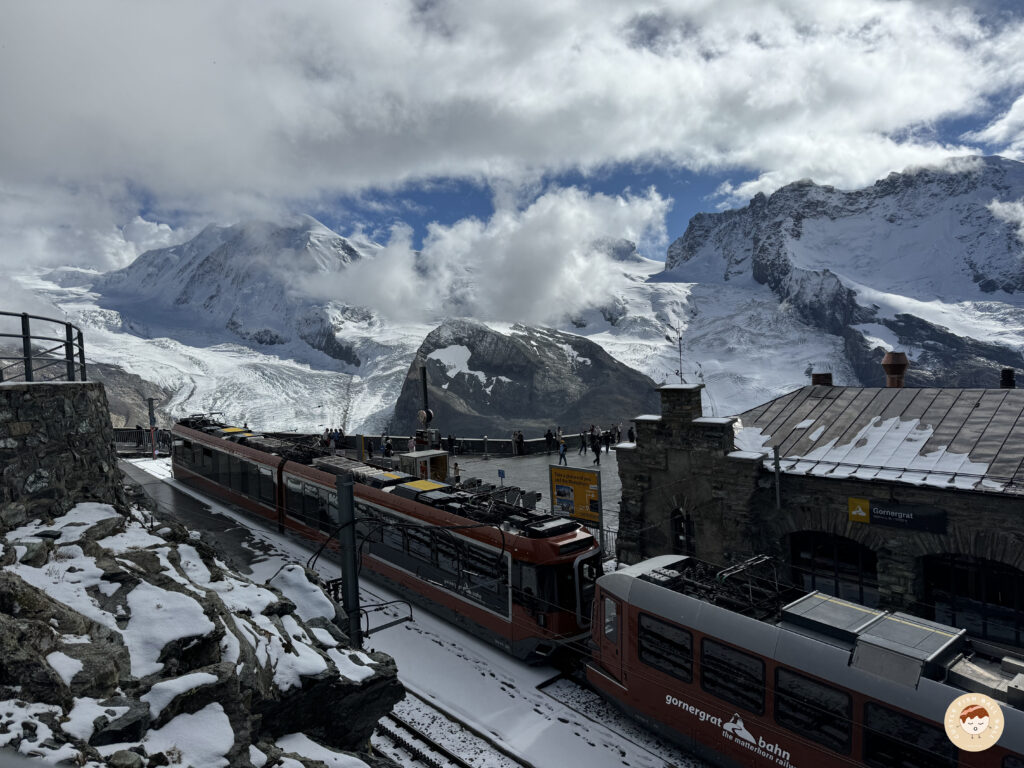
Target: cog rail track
423 749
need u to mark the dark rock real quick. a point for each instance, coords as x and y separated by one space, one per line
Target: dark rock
533 378
131 726
124 758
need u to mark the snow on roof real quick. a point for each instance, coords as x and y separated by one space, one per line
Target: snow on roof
959 438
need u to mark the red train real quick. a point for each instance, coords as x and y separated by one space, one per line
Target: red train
520 578
743 675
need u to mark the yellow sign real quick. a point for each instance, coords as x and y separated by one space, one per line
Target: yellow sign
974 722
577 492
860 510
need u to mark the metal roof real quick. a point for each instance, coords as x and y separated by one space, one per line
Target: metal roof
948 438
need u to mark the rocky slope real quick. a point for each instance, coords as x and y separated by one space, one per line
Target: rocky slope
922 260
486 382
124 642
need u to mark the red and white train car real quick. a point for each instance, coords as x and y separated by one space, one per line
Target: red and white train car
520 578
824 682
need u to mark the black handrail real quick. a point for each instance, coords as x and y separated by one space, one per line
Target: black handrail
73 344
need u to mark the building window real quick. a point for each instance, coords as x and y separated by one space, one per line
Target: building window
665 647
732 675
894 739
682 533
812 709
982 596
834 565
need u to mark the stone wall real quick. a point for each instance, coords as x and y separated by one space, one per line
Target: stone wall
682 461
56 448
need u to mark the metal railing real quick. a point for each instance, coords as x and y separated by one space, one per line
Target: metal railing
69 350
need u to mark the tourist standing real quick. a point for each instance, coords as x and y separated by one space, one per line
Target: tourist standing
561 453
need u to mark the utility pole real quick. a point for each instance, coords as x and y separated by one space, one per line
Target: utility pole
349 553
152 424
679 347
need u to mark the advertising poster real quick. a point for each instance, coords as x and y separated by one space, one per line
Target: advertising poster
576 493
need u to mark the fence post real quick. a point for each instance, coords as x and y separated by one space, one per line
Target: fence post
69 350
81 355
26 346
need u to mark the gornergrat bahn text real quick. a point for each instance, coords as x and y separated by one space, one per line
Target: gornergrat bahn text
742 674
519 578
724 663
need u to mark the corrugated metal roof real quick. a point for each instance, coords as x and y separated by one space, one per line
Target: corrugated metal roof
954 438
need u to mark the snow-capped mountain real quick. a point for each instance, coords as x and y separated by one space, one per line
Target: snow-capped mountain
241 319
929 261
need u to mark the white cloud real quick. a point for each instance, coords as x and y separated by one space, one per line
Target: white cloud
1006 132
533 263
1012 212
233 109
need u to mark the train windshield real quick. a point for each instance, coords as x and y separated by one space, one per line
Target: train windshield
588 570
565 587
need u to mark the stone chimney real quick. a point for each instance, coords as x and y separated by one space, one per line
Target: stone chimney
1008 379
895 365
821 379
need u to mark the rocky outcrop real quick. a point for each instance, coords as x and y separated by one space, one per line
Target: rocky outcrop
128 643
56 444
482 382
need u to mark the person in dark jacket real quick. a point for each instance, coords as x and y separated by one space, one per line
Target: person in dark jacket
561 453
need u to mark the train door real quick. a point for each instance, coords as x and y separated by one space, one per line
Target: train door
612 624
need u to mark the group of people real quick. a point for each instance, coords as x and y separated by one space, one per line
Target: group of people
331 439
518 444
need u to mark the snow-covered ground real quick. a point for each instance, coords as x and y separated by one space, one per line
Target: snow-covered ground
479 685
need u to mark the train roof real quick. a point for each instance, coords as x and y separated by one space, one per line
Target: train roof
897 657
474 501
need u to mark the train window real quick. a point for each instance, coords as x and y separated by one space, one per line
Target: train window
732 675
311 505
419 544
611 621
447 554
234 473
323 516
665 647
244 467
266 484
812 709
894 739
183 451
332 508
293 496
207 462
393 533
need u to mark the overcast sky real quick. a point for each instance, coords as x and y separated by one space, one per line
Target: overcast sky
126 125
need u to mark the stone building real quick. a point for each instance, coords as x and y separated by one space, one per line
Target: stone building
908 499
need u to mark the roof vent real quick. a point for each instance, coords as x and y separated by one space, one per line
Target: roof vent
1008 379
895 365
821 379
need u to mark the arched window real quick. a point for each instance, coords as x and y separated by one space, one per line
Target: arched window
835 565
982 596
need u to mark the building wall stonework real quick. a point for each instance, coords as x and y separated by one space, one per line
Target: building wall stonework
681 462
56 449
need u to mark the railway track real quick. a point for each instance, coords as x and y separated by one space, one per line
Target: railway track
401 737
406 738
